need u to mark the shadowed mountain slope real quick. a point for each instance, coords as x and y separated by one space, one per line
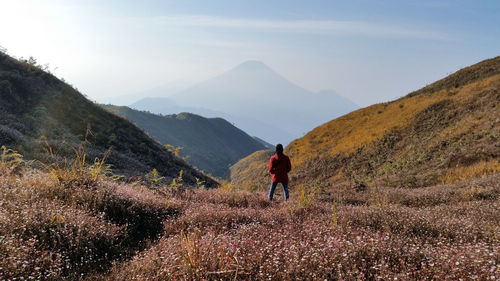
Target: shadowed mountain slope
447 131
38 111
212 144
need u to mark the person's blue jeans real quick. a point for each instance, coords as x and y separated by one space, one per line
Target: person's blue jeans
273 187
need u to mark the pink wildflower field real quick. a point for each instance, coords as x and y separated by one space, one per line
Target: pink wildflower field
101 230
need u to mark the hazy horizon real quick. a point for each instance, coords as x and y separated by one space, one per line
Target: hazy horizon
367 51
257 100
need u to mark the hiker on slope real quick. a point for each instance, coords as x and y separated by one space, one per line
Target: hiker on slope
279 166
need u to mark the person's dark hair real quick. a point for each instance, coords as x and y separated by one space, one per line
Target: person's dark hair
279 149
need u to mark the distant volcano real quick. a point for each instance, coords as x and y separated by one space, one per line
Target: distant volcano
259 101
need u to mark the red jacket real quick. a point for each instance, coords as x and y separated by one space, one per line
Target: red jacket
279 167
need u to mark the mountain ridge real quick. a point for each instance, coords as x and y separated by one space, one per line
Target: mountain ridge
211 144
252 65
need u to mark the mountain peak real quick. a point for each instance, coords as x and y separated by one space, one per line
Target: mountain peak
327 92
251 92
252 65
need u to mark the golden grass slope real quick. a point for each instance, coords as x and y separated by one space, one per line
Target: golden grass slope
252 170
352 131
80 227
423 137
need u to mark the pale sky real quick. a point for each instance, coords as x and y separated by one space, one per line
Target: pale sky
369 51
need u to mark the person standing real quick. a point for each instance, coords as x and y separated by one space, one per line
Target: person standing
279 167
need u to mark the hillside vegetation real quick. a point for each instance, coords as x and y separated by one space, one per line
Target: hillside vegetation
211 144
252 172
65 228
445 132
46 119
76 223
89 229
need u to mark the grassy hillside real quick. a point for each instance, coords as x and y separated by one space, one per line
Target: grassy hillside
252 172
212 144
46 119
99 230
436 233
64 230
445 132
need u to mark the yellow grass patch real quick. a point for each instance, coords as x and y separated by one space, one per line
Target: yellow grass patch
480 169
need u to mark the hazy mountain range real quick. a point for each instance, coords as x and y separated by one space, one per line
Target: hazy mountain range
256 99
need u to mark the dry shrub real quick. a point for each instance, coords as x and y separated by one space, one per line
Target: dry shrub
10 160
79 169
306 196
226 186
